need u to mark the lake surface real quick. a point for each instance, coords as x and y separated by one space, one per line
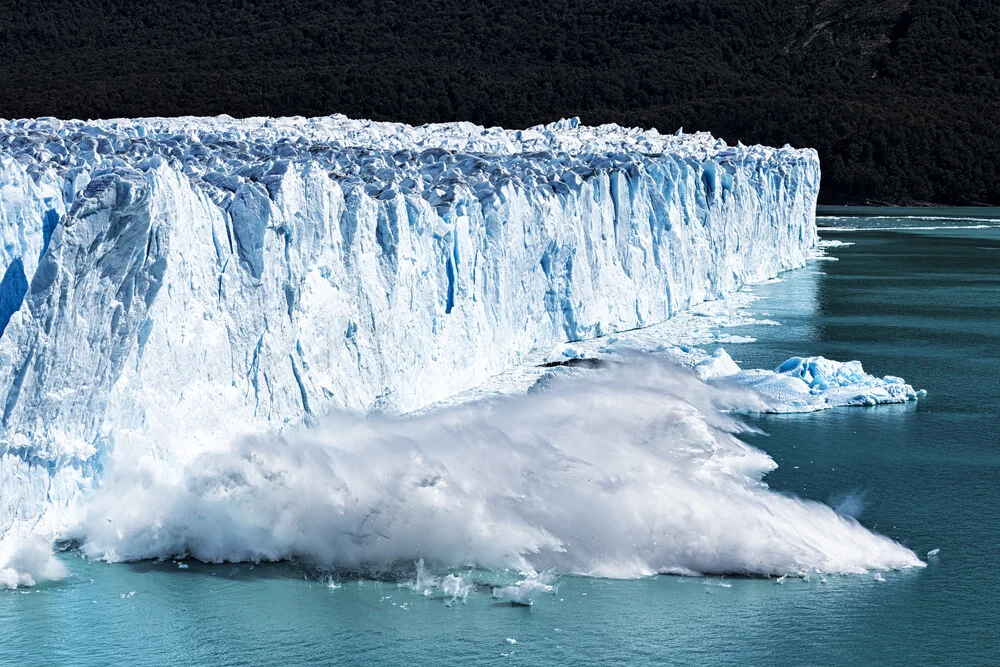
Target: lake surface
914 297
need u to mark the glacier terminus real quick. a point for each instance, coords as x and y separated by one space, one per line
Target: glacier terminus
172 284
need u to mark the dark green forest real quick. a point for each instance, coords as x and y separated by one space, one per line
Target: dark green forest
900 97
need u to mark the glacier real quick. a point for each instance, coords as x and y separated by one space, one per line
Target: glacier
222 338
169 285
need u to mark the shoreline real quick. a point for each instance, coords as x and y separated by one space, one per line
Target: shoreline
929 211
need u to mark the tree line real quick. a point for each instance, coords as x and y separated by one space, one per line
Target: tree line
900 97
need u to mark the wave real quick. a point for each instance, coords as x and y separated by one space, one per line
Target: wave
626 471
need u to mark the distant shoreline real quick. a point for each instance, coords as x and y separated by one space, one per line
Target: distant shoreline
936 210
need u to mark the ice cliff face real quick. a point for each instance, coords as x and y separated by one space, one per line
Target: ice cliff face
171 283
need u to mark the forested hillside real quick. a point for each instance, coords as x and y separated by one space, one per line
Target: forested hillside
901 97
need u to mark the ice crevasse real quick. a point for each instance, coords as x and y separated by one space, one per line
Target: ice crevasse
172 283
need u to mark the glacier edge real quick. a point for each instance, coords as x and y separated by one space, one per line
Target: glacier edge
175 283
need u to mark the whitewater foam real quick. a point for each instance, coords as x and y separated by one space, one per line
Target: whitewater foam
525 591
31 563
450 586
628 471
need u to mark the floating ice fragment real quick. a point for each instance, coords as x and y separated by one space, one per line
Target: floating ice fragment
720 364
510 640
523 592
879 577
933 552
805 384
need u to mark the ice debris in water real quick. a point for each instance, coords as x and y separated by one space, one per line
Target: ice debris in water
30 563
879 577
804 384
933 552
524 592
833 243
451 587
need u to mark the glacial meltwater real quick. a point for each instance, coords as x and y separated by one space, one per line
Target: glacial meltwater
905 294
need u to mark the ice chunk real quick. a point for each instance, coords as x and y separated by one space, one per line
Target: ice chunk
803 384
720 364
524 592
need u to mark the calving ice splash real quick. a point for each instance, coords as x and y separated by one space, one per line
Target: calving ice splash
187 304
629 470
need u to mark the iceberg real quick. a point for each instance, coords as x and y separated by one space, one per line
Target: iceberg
170 285
806 384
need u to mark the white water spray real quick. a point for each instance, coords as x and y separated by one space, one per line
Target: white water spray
627 471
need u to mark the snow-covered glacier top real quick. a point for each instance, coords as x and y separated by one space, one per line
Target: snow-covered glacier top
385 159
167 285
257 136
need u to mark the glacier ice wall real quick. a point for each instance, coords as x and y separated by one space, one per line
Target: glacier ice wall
170 284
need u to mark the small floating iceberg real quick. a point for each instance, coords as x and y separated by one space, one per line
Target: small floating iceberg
523 592
805 384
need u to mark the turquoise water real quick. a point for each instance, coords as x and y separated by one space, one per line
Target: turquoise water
904 299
